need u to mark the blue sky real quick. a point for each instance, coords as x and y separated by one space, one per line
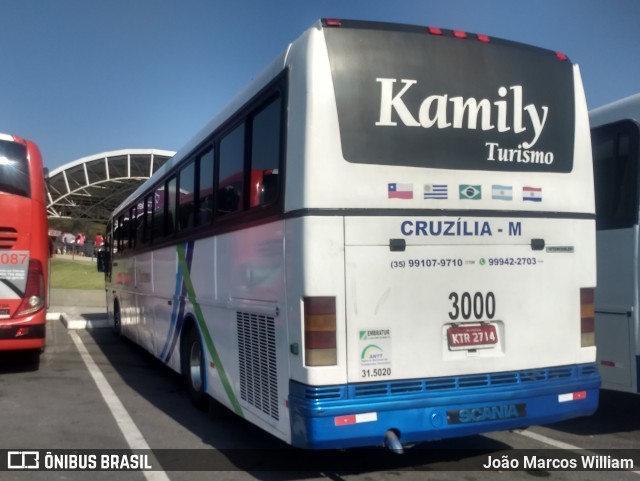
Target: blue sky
82 77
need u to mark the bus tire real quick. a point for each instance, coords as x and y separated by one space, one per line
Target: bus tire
193 367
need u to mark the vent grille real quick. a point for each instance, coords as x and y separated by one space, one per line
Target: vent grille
8 237
257 356
476 381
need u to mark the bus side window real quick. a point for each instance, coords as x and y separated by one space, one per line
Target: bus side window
265 154
231 173
133 226
171 226
186 197
205 188
269 191
148 218
157 231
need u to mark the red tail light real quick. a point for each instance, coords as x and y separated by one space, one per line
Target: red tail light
333 22
587 318
320 331
33 299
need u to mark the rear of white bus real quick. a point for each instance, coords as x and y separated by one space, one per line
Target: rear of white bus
440 237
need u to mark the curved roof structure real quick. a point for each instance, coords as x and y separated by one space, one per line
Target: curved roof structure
92 187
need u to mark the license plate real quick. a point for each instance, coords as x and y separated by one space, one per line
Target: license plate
474 336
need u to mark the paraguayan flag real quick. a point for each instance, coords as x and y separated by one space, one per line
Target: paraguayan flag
532 194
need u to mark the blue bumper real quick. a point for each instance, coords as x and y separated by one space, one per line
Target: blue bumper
355 415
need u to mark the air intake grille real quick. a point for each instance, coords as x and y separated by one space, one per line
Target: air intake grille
8 237
258 370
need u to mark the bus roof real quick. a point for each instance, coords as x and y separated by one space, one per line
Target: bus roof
626 108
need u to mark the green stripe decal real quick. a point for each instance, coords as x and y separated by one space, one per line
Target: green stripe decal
191 294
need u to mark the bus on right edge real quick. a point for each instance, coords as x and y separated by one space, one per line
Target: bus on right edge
615 135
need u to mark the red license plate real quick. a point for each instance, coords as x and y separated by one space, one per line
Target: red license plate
472 336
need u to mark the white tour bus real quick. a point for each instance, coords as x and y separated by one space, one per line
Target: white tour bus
616 155
388 237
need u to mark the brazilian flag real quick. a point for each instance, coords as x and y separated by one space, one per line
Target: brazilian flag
470 192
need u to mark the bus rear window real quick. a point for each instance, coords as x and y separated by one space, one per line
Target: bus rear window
615 170
14 169
408 98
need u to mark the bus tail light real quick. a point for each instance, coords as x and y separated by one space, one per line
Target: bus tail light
587 318
34 293
320 331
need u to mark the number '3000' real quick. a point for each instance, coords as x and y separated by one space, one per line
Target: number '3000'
472 306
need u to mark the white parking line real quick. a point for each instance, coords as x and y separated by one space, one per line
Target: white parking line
546 440
130 431
554 443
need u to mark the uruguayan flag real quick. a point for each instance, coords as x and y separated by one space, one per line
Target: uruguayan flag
436 191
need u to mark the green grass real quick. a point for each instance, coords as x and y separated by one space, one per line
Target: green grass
69 274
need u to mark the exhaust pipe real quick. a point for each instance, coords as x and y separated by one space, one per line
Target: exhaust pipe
392 442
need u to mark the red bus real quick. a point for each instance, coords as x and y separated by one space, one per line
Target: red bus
24 246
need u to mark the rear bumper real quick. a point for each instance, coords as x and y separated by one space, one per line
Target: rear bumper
23 333
332 417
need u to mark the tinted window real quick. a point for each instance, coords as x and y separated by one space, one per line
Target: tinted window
133 226
205 188
14 169
170 227
231 172
265 155
158 214
615 165
414 99
186 196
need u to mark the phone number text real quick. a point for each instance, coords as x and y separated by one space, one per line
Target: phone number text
413 263
511 261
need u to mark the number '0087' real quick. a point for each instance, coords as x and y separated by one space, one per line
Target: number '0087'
476 306
13 258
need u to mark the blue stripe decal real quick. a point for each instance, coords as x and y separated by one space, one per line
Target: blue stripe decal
183 300
174 314
179 304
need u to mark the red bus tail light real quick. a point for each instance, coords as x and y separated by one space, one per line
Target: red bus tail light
587 318
33 299
320 331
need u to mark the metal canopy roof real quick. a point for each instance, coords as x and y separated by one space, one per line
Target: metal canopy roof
92 187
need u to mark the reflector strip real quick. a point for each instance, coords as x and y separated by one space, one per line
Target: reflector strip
611 364
355 419
573 396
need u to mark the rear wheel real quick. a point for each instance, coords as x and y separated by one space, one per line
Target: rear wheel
193 367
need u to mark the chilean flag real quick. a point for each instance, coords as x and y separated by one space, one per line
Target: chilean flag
533 194
400 191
